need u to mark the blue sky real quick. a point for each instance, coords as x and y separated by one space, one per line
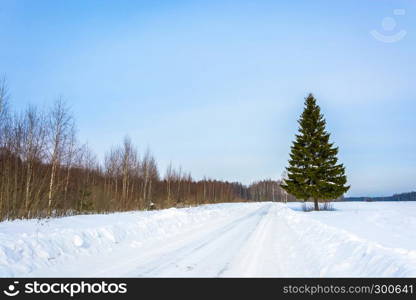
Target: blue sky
217 86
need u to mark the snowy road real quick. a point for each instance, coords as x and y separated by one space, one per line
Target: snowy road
226 240
208 250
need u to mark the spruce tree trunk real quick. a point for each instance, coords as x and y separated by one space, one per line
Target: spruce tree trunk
316 203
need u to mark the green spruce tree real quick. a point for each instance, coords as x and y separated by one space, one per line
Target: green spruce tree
313 172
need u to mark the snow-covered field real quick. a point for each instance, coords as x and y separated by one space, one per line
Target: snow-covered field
223 240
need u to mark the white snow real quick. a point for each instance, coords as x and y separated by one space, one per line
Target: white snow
224 240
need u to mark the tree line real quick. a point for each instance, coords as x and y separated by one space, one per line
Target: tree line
45 171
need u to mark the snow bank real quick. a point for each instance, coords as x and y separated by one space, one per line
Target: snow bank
332 251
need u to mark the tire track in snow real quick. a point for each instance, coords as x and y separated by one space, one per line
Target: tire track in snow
273 250
250 260
209 255
184 255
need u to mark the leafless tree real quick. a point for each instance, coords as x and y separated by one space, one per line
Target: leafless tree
33 149
150 173
60 127
169 176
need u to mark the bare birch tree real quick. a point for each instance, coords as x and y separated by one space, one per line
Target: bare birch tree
60 126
